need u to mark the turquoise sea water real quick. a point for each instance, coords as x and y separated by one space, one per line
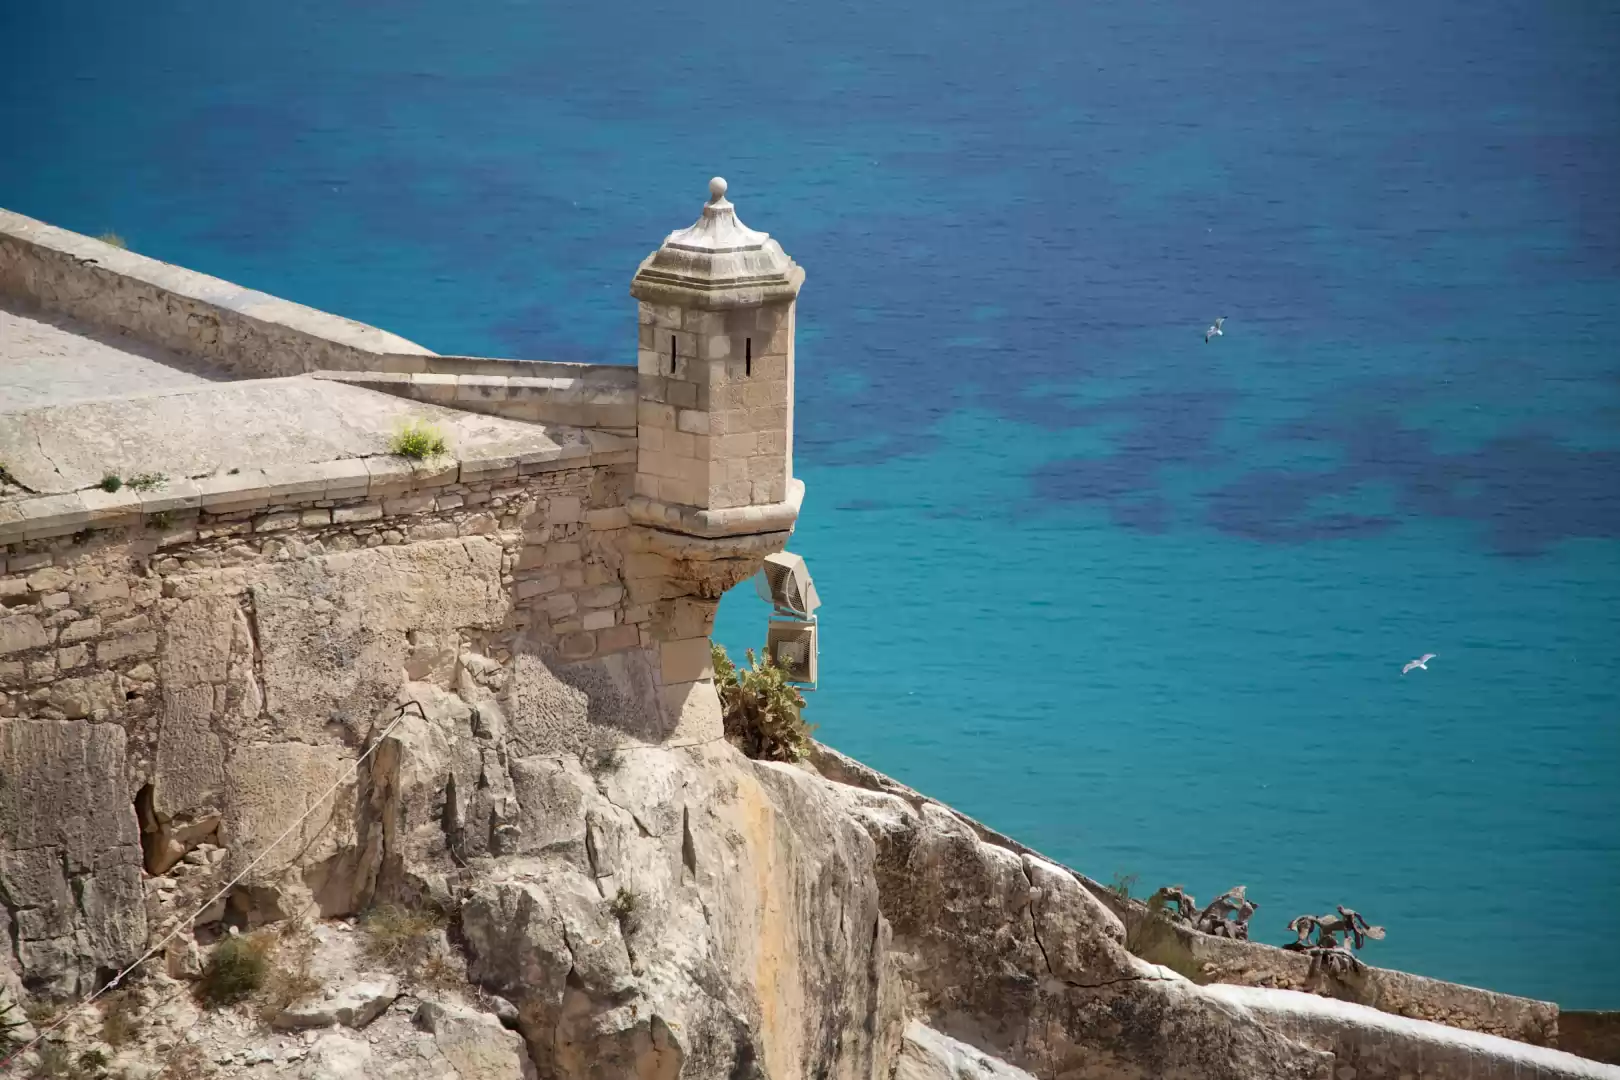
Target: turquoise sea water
1138 600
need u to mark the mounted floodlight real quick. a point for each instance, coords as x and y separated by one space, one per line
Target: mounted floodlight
791 645
784 583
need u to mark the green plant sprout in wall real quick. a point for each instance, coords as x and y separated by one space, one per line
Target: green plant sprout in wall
417 440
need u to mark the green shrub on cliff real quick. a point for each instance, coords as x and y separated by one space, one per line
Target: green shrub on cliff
401 939
761 710
235 969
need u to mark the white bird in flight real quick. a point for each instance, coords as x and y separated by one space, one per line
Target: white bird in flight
1214 331
1420 662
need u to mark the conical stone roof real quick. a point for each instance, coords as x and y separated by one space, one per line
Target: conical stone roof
718 262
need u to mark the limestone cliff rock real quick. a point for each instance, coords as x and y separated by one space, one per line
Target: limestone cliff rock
925 1054
650 902
71 902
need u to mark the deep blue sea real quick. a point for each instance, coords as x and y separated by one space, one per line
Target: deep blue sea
1137 600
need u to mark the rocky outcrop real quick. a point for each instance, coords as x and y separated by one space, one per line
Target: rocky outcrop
925 1054
474 1043
71 902
694 915
353 1006
1012 955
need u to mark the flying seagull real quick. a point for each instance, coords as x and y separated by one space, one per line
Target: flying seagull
1214 331
1420 662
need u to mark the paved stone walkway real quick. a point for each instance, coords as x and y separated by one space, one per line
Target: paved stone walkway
53 360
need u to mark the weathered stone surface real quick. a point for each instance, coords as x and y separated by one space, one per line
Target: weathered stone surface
716 922
20 632
268 787
969 919
333 630
338 1057
71 901
90 696
925 1054
556 707
1368 1043
354 1006
475 1044
188 781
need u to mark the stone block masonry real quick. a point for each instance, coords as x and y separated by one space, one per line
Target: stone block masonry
715 363
713 418
244 643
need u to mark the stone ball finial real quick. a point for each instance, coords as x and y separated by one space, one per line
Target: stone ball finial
717 189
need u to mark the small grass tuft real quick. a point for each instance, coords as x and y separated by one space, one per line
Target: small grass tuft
146 481
42 1014
400 938
1122 885
111 482
160 520
623 906
187 1062
235 970
120 1018
56 1062
444 971
112 239
290 979
417 440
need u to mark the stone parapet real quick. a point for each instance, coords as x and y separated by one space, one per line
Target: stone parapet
240 330
286 486
596 396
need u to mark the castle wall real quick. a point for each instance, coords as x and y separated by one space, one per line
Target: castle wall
242 331
199 676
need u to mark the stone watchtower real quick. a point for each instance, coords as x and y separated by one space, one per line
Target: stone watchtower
714 487
715 358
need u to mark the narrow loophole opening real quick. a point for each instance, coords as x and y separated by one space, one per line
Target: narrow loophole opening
748 356
672 356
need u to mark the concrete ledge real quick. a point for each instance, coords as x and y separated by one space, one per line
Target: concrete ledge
240 330
599 396
351 479
736 521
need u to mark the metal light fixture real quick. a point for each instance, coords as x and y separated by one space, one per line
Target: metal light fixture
791 638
